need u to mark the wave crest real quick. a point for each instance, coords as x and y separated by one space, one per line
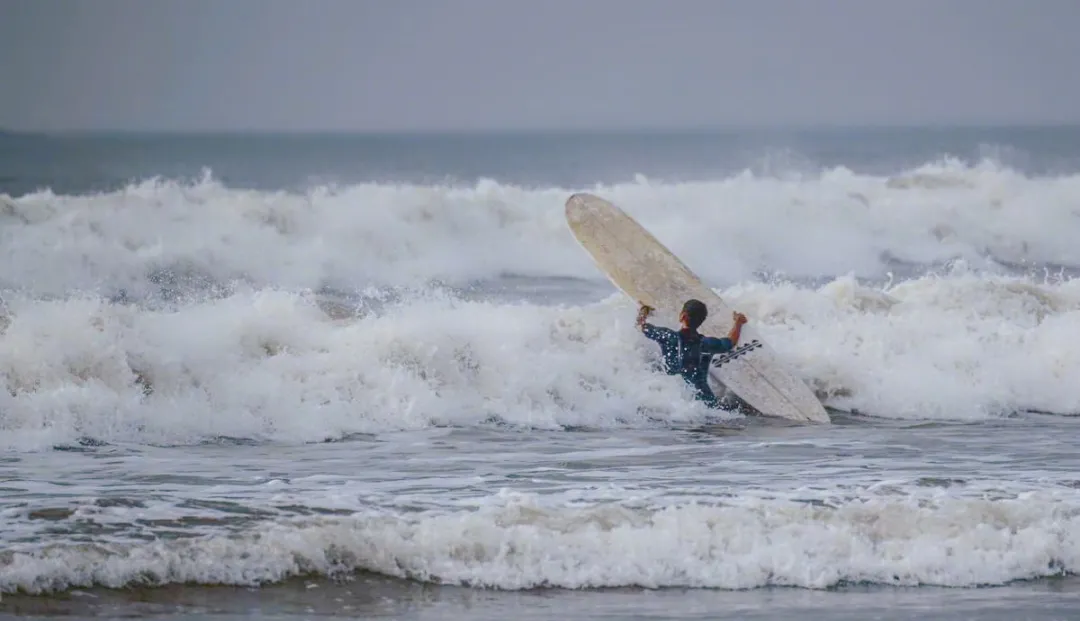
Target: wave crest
285 366
825 224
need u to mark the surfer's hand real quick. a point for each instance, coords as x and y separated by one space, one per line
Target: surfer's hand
740 318
643 312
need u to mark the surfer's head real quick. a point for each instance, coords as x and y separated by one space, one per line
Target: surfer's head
693 314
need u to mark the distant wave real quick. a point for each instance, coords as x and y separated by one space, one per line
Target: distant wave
162 234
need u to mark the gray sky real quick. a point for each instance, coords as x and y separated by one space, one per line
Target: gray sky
472 64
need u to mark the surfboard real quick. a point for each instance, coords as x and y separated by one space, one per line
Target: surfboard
649 273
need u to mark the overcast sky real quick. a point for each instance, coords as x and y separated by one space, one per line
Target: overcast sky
495 64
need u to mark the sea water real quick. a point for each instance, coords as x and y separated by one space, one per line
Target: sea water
375 376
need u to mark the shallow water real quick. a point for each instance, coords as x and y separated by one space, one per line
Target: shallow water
724 505
372 597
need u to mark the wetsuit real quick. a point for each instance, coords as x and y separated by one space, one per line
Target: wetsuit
688 353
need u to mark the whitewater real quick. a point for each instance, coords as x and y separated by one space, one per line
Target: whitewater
372 385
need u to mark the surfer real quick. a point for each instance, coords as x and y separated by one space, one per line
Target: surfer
687 352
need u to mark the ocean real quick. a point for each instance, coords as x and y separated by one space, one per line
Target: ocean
375 376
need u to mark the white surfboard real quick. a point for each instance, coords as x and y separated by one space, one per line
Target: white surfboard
648 272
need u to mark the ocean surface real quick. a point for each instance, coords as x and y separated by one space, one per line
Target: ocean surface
296 377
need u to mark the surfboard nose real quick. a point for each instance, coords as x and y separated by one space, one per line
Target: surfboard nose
579 205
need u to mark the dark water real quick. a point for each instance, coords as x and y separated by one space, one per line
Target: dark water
73 163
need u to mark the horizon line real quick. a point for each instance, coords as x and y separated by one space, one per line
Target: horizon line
644 129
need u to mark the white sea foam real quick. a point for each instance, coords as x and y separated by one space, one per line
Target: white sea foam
831 223
271 364
263 360
520 542
267 359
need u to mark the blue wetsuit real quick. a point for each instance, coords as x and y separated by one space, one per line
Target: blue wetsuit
688 353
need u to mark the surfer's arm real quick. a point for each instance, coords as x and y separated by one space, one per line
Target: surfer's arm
665 337
657 333
736 330
654 333
651 332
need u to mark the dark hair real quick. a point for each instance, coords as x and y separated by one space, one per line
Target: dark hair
696 312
